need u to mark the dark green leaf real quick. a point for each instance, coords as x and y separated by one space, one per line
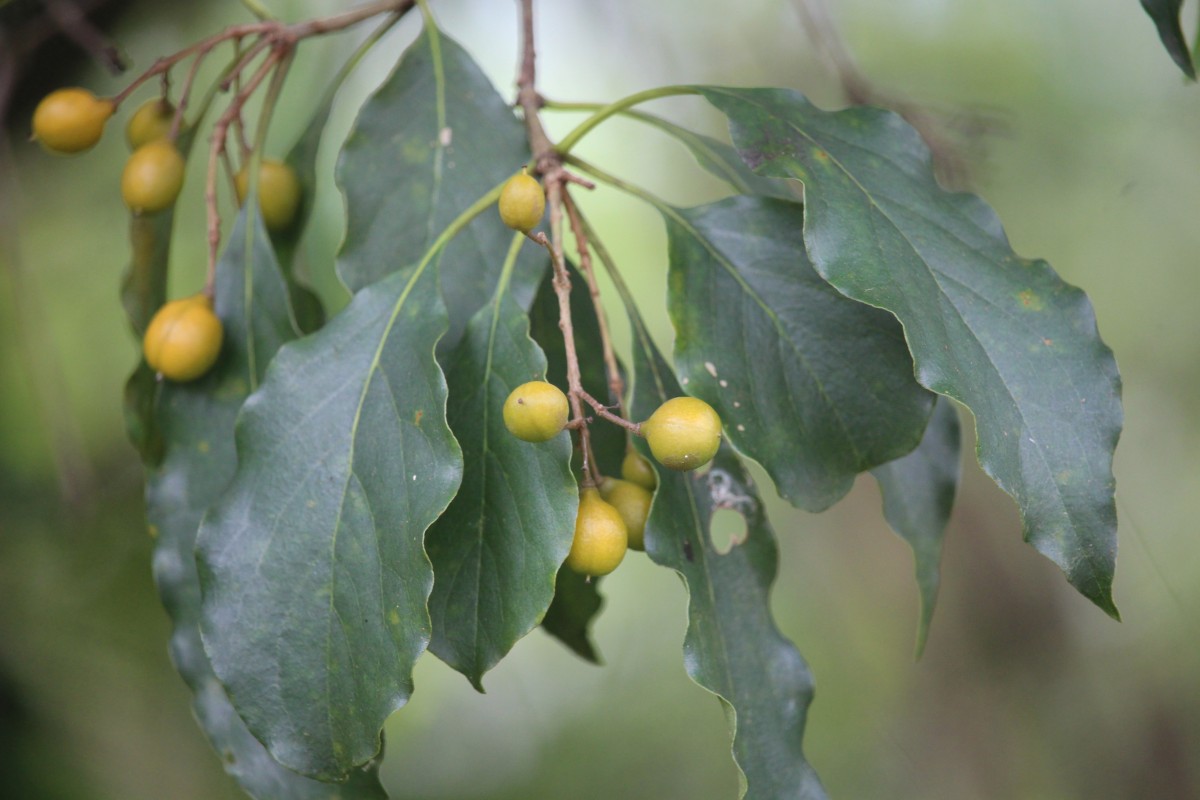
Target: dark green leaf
433 139
315 578
723 161
576 603
1165 14
496 549
812 385
733 647
1002 335
918 494
197 421
608 441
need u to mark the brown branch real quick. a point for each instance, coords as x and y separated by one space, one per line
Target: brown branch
73 22
616 383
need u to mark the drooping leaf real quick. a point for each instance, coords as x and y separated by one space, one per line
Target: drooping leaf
576 603
431 140
314 574
723 161
814 386
1165 14
918 495
608 441
1003 335
496 549
733 647
197 422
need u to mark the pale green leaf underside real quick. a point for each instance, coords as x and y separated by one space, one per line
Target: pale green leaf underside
1004 336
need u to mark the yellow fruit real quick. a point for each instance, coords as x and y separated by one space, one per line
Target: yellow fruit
635 468
683 433
536 411
600 537
151 121
71 120
183 339
632 502
153 177
522 202
278 192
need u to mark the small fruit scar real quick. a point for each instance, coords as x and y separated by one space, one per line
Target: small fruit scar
724 383
445 135
711 367
417 417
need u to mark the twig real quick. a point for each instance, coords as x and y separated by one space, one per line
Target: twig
616 383
72 21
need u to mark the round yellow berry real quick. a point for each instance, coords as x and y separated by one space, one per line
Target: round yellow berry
632 502
278 192
600 537
636 468
536 411
683 433
151 121
71 120
522 202
153 177
183 339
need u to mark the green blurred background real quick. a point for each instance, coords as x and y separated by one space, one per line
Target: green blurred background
1078 130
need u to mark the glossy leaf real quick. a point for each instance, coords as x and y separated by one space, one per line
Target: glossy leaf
918 495
496 549
1003 335
314 573
816 387
733 647
1165 14
432 139
197 421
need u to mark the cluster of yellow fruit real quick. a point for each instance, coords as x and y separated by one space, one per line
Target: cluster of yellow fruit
684 433
184 338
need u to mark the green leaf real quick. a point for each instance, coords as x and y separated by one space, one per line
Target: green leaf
496 549
434 137
1003 335
918 495
733 647
723 161
314 574
576 603
1165 14
197 421
773 348
608 441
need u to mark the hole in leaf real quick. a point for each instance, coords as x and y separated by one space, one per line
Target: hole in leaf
727 528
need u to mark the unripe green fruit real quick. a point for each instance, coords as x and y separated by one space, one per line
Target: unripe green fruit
536 411
153 177
635 468
278 192
683 433
522 202
632 502
183 339
70 120
600 537
152 121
